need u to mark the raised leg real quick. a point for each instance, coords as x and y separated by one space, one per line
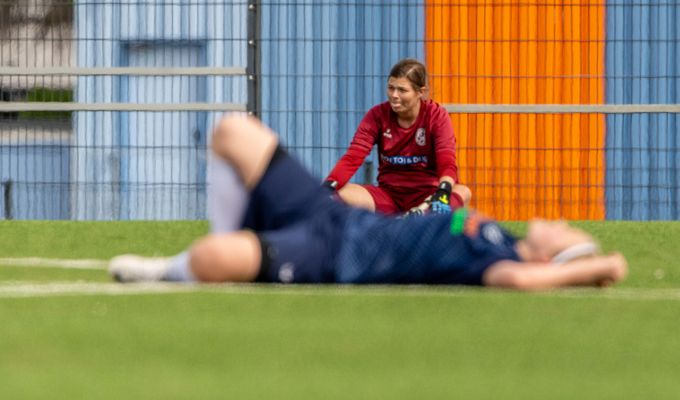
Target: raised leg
246 144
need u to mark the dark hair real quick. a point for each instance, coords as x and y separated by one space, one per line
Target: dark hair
411 69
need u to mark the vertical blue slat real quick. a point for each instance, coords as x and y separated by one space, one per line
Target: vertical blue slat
325 65
39 189
642 149
93 160
106 30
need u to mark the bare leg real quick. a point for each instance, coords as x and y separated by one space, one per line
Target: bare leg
246 144
593 271
357 196
230 257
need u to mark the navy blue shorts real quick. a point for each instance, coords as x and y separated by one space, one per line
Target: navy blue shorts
307 237
298 223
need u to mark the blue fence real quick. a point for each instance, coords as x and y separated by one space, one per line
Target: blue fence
321 66
151 165
34 177
643 150
324 65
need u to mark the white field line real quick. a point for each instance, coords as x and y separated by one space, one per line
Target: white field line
40 289
19 289
34 289
53 263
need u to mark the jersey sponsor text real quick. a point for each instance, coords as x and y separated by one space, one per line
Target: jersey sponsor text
403 160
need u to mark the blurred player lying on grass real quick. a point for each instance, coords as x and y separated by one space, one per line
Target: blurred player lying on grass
272 222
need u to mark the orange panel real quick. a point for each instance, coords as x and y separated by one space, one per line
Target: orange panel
504 52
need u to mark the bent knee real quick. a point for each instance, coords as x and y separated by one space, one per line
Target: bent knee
206 254
357 196
225 128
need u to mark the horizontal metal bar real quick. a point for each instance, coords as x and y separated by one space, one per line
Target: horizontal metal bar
57 106
132 71
451 108
561 108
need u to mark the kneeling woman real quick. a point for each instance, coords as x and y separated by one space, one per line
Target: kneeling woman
416 150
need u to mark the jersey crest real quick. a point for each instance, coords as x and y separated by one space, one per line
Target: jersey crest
420 137
492 233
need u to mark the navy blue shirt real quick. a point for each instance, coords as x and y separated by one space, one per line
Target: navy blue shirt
434 249
309 238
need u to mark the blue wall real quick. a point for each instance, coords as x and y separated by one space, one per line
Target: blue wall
643 157
151 165
324 66
39 171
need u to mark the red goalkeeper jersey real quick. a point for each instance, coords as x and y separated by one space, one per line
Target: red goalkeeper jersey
414 157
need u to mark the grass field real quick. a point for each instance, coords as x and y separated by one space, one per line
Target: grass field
71 333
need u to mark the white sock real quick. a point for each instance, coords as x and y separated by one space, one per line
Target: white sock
227 196
227 202
179 269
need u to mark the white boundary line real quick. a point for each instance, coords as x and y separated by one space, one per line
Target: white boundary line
34 289
22 289
41 289
53 263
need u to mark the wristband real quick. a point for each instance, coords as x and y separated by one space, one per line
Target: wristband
446 186
332 185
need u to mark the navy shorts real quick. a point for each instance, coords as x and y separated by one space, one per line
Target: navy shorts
298 223
307 237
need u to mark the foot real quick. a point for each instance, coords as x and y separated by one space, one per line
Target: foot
131 268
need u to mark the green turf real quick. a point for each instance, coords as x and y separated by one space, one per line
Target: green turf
260 341
99 240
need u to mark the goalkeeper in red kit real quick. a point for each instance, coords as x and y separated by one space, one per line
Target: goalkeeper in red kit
416 145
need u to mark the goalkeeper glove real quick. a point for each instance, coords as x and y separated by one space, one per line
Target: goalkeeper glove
441 199
418 210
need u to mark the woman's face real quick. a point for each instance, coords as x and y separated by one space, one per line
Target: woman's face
402 96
